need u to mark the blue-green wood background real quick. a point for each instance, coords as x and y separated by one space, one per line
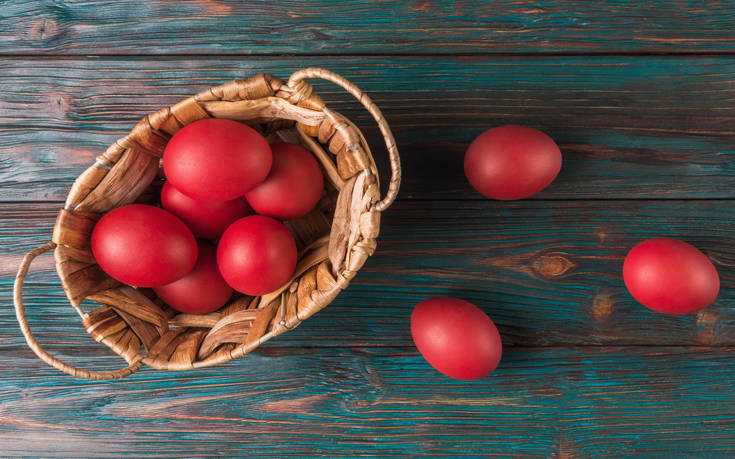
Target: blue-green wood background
639 95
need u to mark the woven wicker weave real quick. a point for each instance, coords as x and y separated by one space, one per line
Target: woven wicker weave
334 240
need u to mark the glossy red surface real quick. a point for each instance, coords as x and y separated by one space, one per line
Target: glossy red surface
206 219
670 276
202 290
512 162
143 245
456 337
216 159
293 186
256 255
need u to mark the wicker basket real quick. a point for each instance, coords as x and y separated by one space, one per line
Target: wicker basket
334 240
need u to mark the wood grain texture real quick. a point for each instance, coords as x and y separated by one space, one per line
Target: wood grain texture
628 127
360 26
303 401
640 97
547 273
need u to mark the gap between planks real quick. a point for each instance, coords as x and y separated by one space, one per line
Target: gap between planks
489 55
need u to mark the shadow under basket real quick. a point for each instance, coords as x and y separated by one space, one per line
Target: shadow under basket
334 239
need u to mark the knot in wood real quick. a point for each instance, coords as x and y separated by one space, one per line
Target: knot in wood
554 264
58 103
602 305
43 29
707 321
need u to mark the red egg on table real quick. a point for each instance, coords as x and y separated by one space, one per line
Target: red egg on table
456 337
202 290
143 246
216 159
256 255
293 186
512 162
670 276
206 219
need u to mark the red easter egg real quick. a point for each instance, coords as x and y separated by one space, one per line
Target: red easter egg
512 162
144 246
216 159
456 337
256 255
202 290
293 186
670 276
206 219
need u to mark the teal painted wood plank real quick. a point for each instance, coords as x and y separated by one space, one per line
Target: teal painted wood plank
547 272
357 26
629 127
540 402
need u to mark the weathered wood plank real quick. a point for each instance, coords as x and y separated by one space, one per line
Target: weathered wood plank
628 127
542 402
547 272
359 26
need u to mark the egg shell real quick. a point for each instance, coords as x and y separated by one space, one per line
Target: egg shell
216 159
206 219
456 337
293 187
512 162
256 255
144 246
670 276
202 290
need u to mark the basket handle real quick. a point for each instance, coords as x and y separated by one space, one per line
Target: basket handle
31 340
390 143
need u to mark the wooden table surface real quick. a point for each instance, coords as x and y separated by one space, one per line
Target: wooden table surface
639 95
